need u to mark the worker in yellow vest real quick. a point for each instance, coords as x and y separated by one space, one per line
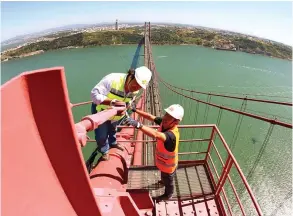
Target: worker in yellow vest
167 137
115 89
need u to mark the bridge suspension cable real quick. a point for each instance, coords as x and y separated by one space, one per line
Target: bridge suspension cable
272 121
233 97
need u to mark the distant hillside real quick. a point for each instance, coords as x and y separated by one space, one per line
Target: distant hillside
167 35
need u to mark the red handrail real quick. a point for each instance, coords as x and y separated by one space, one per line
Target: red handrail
91 122
79 104
230 181
222 179
232 161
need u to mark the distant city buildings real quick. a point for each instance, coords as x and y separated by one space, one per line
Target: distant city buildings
215 38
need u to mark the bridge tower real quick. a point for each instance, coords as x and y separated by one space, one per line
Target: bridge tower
116 25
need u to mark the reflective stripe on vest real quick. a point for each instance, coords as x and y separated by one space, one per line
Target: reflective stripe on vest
117 92
167 161
121 93
164 164
165 156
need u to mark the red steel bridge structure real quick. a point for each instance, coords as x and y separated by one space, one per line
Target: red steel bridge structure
44 173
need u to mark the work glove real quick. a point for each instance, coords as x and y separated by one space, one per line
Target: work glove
131 106
134 123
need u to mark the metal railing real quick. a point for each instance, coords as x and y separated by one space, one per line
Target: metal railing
225 175
219 179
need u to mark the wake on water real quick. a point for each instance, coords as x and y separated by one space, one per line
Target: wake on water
252 68
257 87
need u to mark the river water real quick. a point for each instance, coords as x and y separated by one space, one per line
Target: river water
208 70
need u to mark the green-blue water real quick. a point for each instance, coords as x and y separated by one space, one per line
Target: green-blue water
208 70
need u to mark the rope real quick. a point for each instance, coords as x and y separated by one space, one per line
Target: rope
196 112
238 125
193 131
219 117
205 120
194 120
261 151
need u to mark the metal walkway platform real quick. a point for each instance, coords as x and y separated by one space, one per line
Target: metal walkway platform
191 181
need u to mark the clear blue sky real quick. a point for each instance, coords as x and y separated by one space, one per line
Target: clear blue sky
272 20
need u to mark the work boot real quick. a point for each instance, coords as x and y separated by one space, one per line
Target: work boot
105 157
160 182
118 146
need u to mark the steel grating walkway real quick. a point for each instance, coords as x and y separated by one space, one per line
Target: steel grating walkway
152 100
191 181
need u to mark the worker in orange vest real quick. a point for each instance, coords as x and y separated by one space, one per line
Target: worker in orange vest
167 137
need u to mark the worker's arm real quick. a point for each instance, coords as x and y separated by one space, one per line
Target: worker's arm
153 133
147 130
107 101
99 92
146 115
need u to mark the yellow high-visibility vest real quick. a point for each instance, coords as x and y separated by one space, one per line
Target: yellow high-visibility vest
117 92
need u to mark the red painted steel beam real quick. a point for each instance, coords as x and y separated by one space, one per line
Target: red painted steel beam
179 126
138 148
112 173
143 141
43 171
91 122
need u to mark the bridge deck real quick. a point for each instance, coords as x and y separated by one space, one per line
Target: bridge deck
193 190
152 101
190 181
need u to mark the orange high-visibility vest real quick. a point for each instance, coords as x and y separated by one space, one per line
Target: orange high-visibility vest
167 161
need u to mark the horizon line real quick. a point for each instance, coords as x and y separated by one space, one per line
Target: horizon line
174 23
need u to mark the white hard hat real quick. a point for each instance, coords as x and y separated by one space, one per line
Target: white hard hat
143 75
176 111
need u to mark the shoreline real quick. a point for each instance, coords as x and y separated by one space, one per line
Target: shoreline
81 47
